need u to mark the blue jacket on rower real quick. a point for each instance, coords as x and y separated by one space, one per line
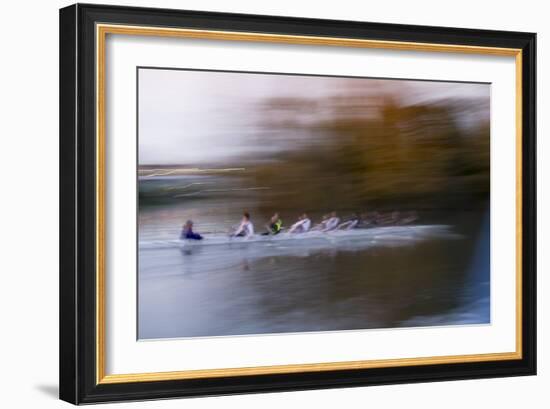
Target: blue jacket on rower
188 233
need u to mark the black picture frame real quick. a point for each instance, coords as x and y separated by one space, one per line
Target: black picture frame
78 360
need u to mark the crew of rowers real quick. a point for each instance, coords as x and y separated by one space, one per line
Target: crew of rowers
329 222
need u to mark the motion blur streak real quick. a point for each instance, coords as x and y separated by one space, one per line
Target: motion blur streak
215 144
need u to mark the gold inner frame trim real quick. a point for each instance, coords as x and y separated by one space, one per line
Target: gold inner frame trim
101 33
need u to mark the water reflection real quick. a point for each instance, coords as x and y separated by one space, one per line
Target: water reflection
255 288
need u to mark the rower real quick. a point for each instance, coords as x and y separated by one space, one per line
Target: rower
275 225
412 216
332 222
322 224
246 228
349 224
187 232
388 218
302 225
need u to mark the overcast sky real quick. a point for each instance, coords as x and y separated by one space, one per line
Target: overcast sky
199 117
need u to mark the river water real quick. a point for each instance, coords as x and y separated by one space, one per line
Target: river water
432 273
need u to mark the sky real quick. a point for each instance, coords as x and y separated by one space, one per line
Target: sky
204 117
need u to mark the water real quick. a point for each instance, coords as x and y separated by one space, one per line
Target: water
434 273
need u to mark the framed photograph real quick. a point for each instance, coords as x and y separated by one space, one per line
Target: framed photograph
257 203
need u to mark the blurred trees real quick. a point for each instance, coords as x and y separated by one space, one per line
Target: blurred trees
360 152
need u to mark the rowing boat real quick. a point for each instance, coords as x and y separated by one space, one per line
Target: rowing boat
355 238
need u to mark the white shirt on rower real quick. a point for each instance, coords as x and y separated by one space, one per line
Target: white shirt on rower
301 225
245 227
331 223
